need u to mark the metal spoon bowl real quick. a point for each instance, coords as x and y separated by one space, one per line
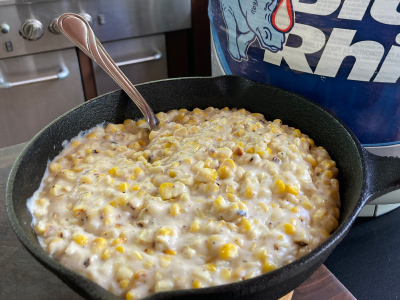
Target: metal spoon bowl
77 29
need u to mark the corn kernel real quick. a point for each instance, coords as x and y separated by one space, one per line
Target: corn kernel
135 187
53 245
224 172
250 150
263 206
196 284
195 226
165 261
292 189
80 239
181 132
238 150
187 161
165 190
184 197
311 160
135 146
249 193
219 203
130 295
226 273
40 227
278 187
107 221
289 228
106 254
75 143
123 187
245 224
110 153
175 209
55 190
276 130
231 197
120 249
241 132
108 210
42 202
327 174
54 167
229 163
113 171
211 188
211 267
140 122
118 241
295 209
319 215
207 175
307 205
253 246
138 255
172 173
269 266
148 265
121 200
140 275
311 141
170 252
85 180
165 231
78 209
124 284
137 171
98 244
213 153
228 251
328 164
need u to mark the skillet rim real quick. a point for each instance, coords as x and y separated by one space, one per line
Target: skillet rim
92 289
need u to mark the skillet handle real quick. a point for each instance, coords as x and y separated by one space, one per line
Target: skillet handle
382 175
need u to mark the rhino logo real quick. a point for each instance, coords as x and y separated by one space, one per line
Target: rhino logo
265 20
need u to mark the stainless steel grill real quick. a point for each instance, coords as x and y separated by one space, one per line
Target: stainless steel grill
40 77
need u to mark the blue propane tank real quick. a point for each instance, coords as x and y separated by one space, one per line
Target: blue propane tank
345 55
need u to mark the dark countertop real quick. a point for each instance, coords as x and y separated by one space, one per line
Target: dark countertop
367 261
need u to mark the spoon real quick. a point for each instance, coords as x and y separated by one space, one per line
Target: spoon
77 29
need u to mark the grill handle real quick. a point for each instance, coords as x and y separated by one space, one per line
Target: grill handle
155 56
63 73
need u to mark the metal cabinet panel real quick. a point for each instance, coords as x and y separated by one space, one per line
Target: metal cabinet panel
27 106
141 59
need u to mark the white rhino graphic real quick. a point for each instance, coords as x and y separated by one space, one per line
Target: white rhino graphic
247 20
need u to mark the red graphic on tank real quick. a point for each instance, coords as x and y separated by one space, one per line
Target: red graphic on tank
283 16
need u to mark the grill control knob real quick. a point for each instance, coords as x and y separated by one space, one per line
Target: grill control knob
31 30
4 28
53 27
87 18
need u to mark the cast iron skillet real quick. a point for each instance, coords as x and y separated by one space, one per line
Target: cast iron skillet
362 176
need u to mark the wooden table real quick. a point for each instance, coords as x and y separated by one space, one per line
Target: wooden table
22 277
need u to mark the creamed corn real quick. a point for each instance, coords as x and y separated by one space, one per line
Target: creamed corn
214 196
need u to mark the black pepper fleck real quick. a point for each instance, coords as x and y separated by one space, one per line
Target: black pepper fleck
86 263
